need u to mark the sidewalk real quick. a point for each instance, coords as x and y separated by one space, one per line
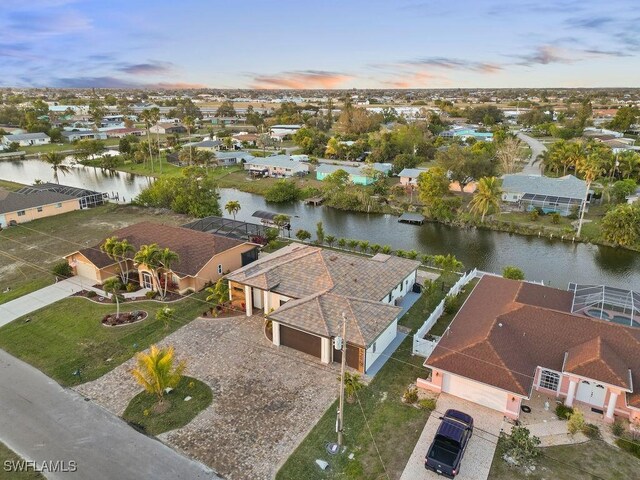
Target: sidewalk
41 298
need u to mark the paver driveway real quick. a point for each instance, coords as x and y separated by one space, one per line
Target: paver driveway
265 398
479 455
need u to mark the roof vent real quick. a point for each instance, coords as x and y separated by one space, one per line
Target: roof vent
500 324
333 258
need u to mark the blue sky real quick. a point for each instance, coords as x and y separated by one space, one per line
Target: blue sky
320 44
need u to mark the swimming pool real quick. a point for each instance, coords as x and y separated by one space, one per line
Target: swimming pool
597 313
623 320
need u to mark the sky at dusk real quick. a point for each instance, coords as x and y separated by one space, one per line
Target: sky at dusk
319 44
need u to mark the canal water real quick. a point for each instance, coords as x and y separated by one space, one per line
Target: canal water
553 261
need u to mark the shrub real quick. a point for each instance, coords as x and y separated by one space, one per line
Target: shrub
282 191
410 395
514 273
592 431
151 294
555 218
521 446
563 412
575 212
576 422
91 294
629 446
617 428
62 269
451 304
427 404
533 215
131 287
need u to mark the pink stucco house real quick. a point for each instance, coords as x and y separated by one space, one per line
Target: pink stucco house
512 338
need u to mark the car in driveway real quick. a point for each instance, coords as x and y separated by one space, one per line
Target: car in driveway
447 449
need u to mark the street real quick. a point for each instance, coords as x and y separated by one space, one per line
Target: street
534 166
43 422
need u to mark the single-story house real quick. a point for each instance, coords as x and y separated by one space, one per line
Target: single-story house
202 257
284 129
227 120
123 132
206 145
305 290
44 200
26 139
115 121
357 175
276 166
409 176
511 339
249 138
167 128
233 158
561 195
467 132
72 136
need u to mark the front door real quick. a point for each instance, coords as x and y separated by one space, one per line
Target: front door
147 281
592 393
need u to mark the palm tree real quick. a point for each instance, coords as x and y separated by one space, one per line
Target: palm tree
590 167
330 240
364 246
154 115
119 251
165 315
218 295
189 124
629 164
147 117
56 160
112 286
342 242
353 244
149 257
165 259
386 249
375 248
232 207
487 197
156 370
352 384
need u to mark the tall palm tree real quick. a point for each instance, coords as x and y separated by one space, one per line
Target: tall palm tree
147 117
149 256
154 113
629 164
571 154
119 251
486 198
189 123
112 286
156 370
232 207
590 167
165 259
56 160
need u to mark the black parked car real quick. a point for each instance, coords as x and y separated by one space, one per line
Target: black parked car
447 449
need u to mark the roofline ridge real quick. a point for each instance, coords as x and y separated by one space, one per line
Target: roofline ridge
357 325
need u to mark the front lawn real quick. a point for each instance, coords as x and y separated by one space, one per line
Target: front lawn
179 412
395 426
68 336
593 459
8 455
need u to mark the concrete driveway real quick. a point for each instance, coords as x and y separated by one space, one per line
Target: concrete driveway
479 455
43 422
41 298
265 398
534 166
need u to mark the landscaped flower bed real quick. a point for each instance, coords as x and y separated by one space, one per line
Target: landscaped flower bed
124 318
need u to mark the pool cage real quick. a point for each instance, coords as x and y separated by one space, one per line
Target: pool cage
549 203
617 305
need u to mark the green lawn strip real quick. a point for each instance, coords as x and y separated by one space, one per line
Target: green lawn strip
68 336
593 459
22 288
395 426
11 186
8 455
140 410
445 320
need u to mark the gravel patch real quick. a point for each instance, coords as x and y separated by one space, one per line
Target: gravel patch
265 398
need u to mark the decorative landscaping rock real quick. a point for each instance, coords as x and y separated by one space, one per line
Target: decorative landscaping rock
125 318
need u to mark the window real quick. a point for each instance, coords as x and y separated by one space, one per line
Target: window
549 380
21 213
39 209
390 297
373 347
58 205
220 268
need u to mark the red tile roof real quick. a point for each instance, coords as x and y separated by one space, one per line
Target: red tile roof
506 329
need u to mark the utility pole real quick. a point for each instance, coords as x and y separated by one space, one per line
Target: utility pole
340 422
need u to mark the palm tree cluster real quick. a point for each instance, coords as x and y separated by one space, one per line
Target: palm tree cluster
158 261
486 197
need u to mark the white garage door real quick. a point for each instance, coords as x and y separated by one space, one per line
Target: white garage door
86 271
474 392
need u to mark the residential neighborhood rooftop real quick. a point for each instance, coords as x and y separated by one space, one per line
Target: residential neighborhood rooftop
567 186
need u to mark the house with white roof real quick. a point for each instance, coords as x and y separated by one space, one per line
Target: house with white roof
278 166
561 195
26 139
409 176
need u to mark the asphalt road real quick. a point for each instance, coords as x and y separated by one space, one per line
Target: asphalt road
43 422
537 149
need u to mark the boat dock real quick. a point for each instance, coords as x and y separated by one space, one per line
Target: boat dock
412 218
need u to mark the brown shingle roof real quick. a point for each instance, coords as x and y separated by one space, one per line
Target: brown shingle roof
194 248
498 339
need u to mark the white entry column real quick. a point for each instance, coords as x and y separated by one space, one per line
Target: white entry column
325 351
571 394
248 300
275 333
265 301
611 407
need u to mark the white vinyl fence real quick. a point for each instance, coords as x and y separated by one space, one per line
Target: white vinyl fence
424 347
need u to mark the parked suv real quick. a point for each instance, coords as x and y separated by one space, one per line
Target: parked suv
447 449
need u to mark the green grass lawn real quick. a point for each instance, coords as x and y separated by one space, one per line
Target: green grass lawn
590 460
238 179
8 455
395 426
140 410
68 335
22 288
11 186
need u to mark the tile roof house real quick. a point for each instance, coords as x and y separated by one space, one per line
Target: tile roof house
305 290
511 339
44 200
202 257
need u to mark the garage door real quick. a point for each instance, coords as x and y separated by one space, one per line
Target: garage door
474 392
355 357
305 342
87 271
